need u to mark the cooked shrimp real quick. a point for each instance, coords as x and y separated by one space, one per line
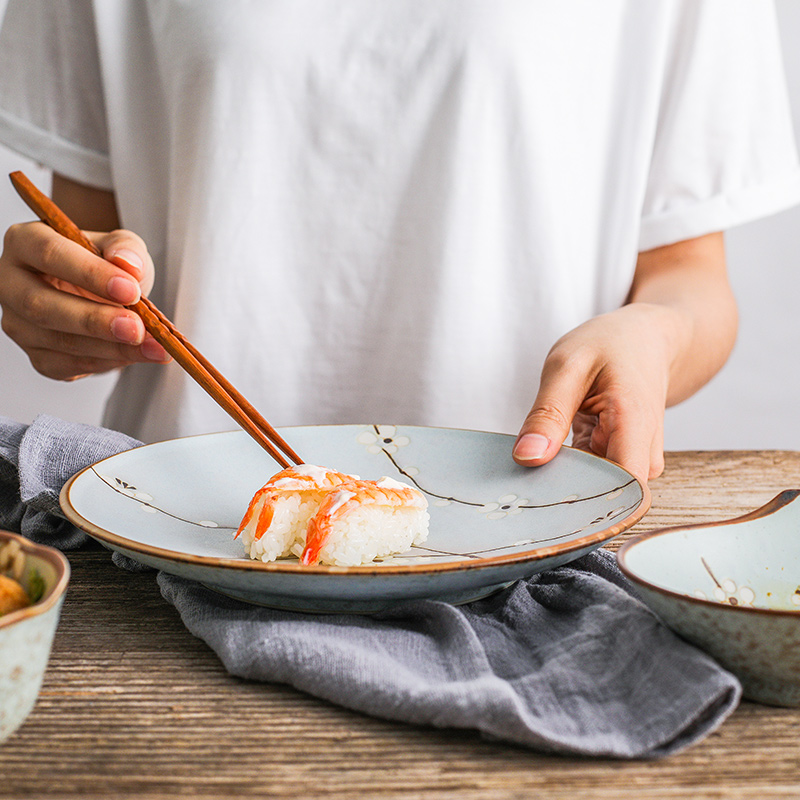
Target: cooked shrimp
304 481
342 507
322 515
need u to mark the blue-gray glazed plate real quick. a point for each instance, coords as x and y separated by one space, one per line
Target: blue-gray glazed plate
175 505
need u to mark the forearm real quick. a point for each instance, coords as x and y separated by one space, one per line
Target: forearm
686 287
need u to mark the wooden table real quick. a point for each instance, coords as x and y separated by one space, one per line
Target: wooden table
134 706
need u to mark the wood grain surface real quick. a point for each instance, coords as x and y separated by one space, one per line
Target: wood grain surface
133 706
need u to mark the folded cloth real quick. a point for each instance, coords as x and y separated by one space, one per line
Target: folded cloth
36 461
568 661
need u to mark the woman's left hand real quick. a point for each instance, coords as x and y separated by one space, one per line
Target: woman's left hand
608 381
611 379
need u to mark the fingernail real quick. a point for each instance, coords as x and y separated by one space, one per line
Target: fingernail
130 258
123 290
126 330
531 445
153 351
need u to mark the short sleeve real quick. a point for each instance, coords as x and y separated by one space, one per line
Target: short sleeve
724 152
51 91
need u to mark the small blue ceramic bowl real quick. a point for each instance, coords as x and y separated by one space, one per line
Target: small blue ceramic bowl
26 635
733 589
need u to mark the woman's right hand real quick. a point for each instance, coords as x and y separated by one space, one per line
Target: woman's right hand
64 306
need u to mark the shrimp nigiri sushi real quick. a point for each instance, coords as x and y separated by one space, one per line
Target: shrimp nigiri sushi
329 517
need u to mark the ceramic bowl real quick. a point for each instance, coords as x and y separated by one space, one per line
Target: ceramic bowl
27 634
733 589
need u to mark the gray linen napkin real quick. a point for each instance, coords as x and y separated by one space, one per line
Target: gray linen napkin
36 461
568 661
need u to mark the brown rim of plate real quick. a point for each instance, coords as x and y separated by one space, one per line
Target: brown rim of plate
59 562
538 554
779 501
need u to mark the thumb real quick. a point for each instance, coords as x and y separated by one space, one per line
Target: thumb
549 421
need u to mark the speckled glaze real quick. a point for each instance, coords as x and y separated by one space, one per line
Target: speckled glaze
732 588
27 635
176 505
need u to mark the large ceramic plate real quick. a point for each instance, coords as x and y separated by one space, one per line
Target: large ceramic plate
175 506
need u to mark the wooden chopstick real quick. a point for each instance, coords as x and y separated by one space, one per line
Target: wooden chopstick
167 335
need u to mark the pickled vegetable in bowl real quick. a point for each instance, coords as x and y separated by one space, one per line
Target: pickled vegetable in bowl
33 582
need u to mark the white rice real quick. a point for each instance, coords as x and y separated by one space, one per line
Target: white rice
367 532
289 522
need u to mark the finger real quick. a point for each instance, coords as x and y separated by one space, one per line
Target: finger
630 442
36 246
605 436
129 252
562 390
582 428
39 304
657 453
31 337
67 368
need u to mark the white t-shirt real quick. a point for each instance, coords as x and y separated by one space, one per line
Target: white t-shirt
388 212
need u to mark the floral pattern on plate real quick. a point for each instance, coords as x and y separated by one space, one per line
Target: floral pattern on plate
486 511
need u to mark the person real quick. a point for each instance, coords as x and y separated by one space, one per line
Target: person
500 216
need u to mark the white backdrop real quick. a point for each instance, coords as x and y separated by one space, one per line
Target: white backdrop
752 404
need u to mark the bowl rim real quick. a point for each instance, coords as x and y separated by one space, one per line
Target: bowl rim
780 500
59 563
